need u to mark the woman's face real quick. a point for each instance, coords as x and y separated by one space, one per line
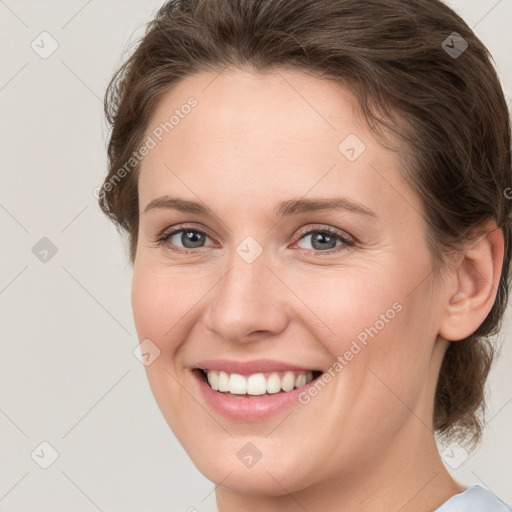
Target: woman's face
252 286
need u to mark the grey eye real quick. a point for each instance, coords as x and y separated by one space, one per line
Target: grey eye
189 238
321 240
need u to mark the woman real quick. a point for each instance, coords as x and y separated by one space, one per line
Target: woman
315 194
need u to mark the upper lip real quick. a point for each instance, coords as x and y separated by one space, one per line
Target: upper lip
249 367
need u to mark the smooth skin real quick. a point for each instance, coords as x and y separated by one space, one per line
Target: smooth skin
365 442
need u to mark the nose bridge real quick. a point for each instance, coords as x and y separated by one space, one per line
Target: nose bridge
248 298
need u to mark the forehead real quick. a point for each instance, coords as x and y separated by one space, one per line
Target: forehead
248 135
282 105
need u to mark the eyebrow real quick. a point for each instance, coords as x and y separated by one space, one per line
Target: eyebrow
285 208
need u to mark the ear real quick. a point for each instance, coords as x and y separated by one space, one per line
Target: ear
476 276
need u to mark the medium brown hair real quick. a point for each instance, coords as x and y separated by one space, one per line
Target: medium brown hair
448 110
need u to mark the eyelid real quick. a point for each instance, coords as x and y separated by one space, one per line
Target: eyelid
165 234
346 239
315 228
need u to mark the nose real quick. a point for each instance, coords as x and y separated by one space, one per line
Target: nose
249 303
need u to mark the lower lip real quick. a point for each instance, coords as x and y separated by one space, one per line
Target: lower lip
248 409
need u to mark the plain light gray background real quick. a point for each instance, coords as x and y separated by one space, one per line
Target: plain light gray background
68 376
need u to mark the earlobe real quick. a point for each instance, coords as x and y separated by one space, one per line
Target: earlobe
477 275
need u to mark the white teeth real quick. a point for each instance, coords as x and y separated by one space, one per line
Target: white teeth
299 381
223 382
288 381
237 384
213 380
273 383
256 384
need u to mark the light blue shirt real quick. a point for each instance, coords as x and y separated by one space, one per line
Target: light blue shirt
474 499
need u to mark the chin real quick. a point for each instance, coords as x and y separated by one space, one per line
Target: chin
273 473
261 479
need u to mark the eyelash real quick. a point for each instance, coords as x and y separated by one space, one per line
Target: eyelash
163 237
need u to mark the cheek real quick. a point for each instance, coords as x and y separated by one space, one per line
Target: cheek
392 369
381 334
160 303
148 306
352 304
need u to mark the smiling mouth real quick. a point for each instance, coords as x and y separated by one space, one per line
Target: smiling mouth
257 384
